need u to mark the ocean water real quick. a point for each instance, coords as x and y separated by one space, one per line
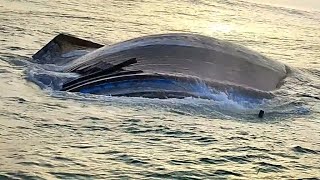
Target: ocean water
47 134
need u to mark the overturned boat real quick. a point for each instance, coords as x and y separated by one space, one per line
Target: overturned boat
163 66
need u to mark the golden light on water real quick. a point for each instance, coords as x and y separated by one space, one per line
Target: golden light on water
49 135
220 28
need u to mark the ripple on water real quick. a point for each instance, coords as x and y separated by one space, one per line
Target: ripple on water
4 71
60 158
71 175
269 167
199 140
181 162
135 128
238 159
19 175
56 126
194 175
300 149
206 139
91 118
212 161
130 160
82 146
238 138
39 164
95 128
245 148
226 173
66 162
109 152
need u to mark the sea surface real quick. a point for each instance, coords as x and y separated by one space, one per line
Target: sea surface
47 134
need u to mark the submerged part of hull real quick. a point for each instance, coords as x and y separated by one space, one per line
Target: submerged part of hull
162 85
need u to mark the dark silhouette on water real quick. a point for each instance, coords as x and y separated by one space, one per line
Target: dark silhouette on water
261 113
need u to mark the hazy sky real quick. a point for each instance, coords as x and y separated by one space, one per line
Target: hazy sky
299 4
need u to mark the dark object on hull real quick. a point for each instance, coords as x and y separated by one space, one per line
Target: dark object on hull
261 113
165 65
100 74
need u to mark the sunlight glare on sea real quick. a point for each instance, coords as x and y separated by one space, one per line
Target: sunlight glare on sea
46 134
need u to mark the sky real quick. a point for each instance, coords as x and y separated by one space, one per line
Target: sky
297 4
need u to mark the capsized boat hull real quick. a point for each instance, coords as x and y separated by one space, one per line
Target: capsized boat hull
163 66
